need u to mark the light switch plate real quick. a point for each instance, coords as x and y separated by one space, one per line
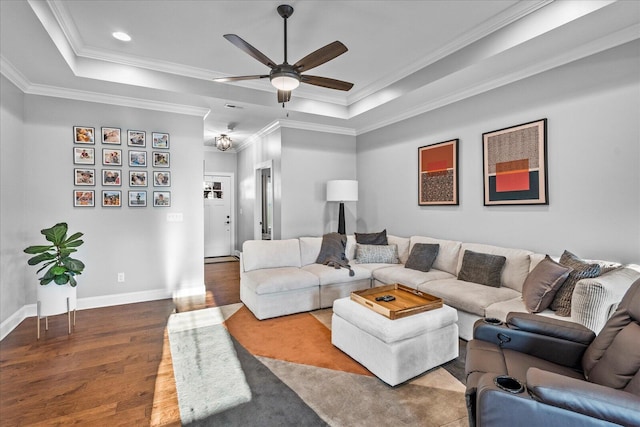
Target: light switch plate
175 217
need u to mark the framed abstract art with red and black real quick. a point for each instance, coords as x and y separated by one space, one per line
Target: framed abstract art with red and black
515 165
438 174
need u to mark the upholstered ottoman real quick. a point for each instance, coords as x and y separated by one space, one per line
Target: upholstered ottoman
395 350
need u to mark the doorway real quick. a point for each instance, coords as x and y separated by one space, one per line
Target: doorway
264 202
218 221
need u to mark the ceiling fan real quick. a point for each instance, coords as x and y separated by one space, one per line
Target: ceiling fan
286 77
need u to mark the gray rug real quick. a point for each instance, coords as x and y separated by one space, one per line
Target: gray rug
209 377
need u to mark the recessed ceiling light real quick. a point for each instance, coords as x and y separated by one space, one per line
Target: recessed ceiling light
121 36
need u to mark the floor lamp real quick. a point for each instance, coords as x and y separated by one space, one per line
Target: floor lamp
342 191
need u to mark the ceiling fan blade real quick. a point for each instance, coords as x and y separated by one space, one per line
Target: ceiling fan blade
320 56
238 78
246 47
326 82
284 96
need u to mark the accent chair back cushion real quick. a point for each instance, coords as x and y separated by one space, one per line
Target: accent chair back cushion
613 358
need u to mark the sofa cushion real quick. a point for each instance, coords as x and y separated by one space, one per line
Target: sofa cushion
379 238
376 254
582 269
499 310
331 276
407 276
467 296
403 246
422 256
542 283
258 254
447 259
516 267
272 280
309 249
481 268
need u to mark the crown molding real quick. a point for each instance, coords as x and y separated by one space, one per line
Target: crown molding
562 58
292 124
122 101
512 14
13 74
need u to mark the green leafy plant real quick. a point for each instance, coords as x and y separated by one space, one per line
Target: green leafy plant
56 256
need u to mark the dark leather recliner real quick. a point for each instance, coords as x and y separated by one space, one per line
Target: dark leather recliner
568 376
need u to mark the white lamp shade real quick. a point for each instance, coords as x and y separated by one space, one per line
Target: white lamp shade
342 191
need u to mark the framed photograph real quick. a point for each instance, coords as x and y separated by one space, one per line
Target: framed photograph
111 198
84 176
137 158
84 135
111 177
162 198
515 165
111 136
83 198
160 140
136 138
111 157
138 178
137 198
84 156
160 159
438 174
161 179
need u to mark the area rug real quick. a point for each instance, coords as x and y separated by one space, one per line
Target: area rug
208 375
297 378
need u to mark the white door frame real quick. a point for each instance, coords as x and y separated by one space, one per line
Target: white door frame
257 207
232 184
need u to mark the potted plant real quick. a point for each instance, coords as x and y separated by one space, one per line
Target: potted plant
57 256
60 296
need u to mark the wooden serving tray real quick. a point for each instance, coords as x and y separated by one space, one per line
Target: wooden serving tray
408 301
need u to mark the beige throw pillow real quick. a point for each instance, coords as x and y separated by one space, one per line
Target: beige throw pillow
542 283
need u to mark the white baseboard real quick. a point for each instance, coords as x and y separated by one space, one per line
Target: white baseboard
13 321
29 310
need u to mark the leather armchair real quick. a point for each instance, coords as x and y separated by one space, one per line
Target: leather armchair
567 376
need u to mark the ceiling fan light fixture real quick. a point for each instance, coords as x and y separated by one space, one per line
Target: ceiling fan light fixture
285 80
223 142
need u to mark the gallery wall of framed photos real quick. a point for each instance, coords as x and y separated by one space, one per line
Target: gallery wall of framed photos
115 168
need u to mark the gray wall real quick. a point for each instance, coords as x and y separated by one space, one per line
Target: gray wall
158 257
303 160
12 171
309 160
266 148
220 161
592 107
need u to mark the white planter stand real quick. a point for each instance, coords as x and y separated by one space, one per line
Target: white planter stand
56 299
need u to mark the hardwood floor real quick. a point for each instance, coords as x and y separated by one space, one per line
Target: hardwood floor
114 369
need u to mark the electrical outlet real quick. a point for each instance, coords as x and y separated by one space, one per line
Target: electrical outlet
120 277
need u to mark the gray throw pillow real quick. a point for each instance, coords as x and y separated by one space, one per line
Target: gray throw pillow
542 284
561 303
422 256
372 238
481 268
376 254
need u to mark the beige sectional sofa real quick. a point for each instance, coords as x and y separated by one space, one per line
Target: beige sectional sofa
281 277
